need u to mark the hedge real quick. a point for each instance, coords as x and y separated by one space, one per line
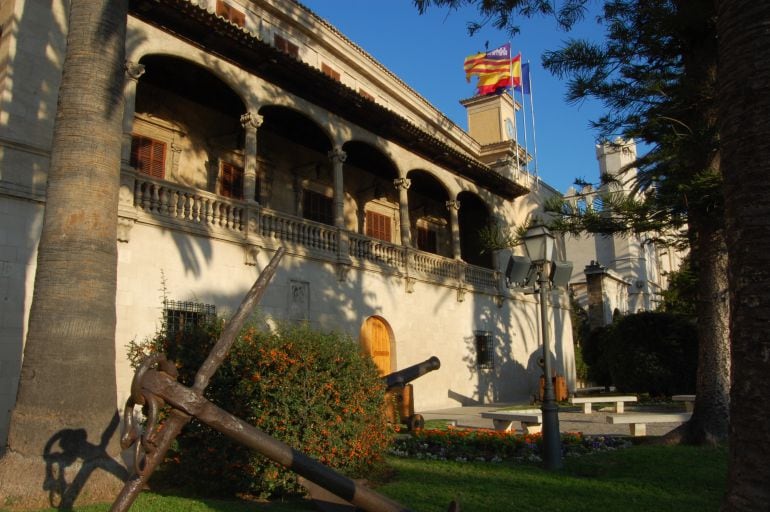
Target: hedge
310 389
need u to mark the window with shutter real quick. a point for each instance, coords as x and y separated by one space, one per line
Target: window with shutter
286 46
230 13
426 239
330 72
317 207
378 226
366 95
148 156
231 180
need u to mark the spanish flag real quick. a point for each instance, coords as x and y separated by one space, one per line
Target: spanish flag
495 69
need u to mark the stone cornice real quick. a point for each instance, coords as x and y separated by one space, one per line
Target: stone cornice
244 49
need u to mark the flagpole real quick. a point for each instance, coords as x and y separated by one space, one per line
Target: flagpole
513 95
532 110
524 115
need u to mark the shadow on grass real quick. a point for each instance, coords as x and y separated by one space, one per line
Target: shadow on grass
642 478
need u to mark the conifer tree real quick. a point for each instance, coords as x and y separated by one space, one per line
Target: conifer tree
655 73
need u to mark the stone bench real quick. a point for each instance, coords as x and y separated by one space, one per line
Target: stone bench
588 400
638 421
689 401
531 420
592 390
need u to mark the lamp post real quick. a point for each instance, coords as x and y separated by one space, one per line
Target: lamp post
539 244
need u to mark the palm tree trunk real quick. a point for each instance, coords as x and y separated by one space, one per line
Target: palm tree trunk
744 101
66 402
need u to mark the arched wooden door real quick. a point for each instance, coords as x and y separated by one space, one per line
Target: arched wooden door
376 340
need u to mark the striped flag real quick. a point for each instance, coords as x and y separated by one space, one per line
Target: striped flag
495 69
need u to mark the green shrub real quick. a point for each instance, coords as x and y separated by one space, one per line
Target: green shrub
312 390
581 368
650 352
594 352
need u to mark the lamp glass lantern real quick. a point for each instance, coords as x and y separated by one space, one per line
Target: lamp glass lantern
539 244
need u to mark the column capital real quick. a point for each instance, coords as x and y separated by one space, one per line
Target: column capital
251 120
337 155
453 204
402 183
133 70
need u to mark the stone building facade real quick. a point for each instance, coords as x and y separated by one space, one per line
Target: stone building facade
617 274
255 124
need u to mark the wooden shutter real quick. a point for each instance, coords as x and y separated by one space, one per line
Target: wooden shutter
426 239
230 13
317 207
378 226
148 156
328 71
283 44
231 181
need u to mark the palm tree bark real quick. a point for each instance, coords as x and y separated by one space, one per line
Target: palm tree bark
744 101
66 402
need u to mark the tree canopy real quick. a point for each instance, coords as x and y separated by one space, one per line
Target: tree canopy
655 73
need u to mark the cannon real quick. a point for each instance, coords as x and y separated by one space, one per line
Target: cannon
399 393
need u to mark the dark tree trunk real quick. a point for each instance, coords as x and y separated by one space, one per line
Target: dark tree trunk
710 419
66 405
744 126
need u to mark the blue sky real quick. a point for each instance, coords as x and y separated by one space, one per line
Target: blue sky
427 53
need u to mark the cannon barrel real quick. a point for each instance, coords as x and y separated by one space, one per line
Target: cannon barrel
407 375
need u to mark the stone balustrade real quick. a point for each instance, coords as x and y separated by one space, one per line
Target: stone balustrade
297 231
163 199
172 205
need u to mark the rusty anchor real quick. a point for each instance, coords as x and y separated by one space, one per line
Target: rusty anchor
155 384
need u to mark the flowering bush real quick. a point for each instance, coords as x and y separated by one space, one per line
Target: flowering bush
309 389
493 446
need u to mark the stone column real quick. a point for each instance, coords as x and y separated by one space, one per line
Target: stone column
133 71
402 185
251 122
454 225
337 156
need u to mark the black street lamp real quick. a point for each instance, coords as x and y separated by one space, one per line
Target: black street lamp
539 244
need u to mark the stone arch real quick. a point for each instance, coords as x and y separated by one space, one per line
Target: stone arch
429 213
225 73
294 124
474 215
296 174
369 177
195 115
377 340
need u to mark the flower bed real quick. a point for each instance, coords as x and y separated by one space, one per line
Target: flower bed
493 446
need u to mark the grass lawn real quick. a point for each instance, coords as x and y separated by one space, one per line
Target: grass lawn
642 478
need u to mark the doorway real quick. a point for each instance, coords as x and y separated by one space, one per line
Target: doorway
376 340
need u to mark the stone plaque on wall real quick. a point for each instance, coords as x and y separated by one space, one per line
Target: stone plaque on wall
299 300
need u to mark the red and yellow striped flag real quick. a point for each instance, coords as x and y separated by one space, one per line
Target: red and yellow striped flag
495 69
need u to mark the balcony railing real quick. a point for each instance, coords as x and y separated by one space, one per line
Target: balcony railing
188 205
376 251
311 235
169 204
